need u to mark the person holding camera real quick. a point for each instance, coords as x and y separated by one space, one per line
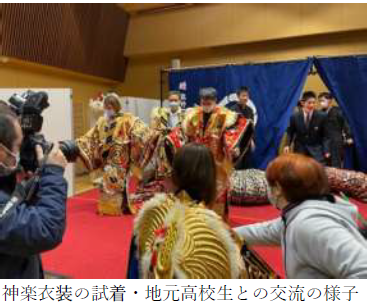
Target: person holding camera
26 230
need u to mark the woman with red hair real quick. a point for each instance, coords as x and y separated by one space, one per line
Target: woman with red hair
318 232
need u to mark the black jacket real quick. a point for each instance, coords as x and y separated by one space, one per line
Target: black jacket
337 127
246 111
312 140
28 230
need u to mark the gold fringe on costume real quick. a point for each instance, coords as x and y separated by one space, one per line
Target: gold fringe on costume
177 238
160 118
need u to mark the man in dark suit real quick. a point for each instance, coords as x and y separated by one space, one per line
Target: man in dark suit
308 132
337 128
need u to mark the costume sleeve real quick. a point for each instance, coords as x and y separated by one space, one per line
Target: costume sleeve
237 136
155 120
264 233
143 142
89 145
188 127
167 148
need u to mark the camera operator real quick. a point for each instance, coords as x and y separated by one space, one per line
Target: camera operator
27 230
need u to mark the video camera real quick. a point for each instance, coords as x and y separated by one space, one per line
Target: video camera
29 107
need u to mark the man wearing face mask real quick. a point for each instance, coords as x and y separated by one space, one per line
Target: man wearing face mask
165 119
337 128
120 144
225 132
27 230
308 130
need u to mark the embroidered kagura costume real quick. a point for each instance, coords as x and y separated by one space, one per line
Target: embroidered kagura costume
174 237
228 136
161 121
120 148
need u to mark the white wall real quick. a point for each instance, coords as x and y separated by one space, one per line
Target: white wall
138 106
58 119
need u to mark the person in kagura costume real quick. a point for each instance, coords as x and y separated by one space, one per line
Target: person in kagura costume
164 120
176 235
226 133
120 144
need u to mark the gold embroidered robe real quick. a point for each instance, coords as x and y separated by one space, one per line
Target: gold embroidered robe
176 237
227 135
120 147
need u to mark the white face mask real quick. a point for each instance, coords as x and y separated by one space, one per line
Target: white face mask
173 105
208 109
109 114
272 198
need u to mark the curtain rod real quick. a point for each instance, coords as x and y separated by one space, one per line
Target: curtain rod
340 56
167 70
228 64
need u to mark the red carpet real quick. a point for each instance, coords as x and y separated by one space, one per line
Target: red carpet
96 247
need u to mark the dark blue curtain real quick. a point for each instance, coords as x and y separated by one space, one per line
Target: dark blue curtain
346 78
189 82
275 91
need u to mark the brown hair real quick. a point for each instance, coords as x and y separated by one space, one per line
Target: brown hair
299 176
195 172
113 101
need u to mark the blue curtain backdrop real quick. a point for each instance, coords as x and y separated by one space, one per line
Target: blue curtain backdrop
346 78
190 81
275 91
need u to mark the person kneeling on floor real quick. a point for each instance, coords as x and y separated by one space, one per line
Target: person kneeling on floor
318 232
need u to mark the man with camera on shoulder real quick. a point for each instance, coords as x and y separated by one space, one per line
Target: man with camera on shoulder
28 229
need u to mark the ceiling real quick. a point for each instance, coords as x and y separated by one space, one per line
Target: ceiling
146 8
